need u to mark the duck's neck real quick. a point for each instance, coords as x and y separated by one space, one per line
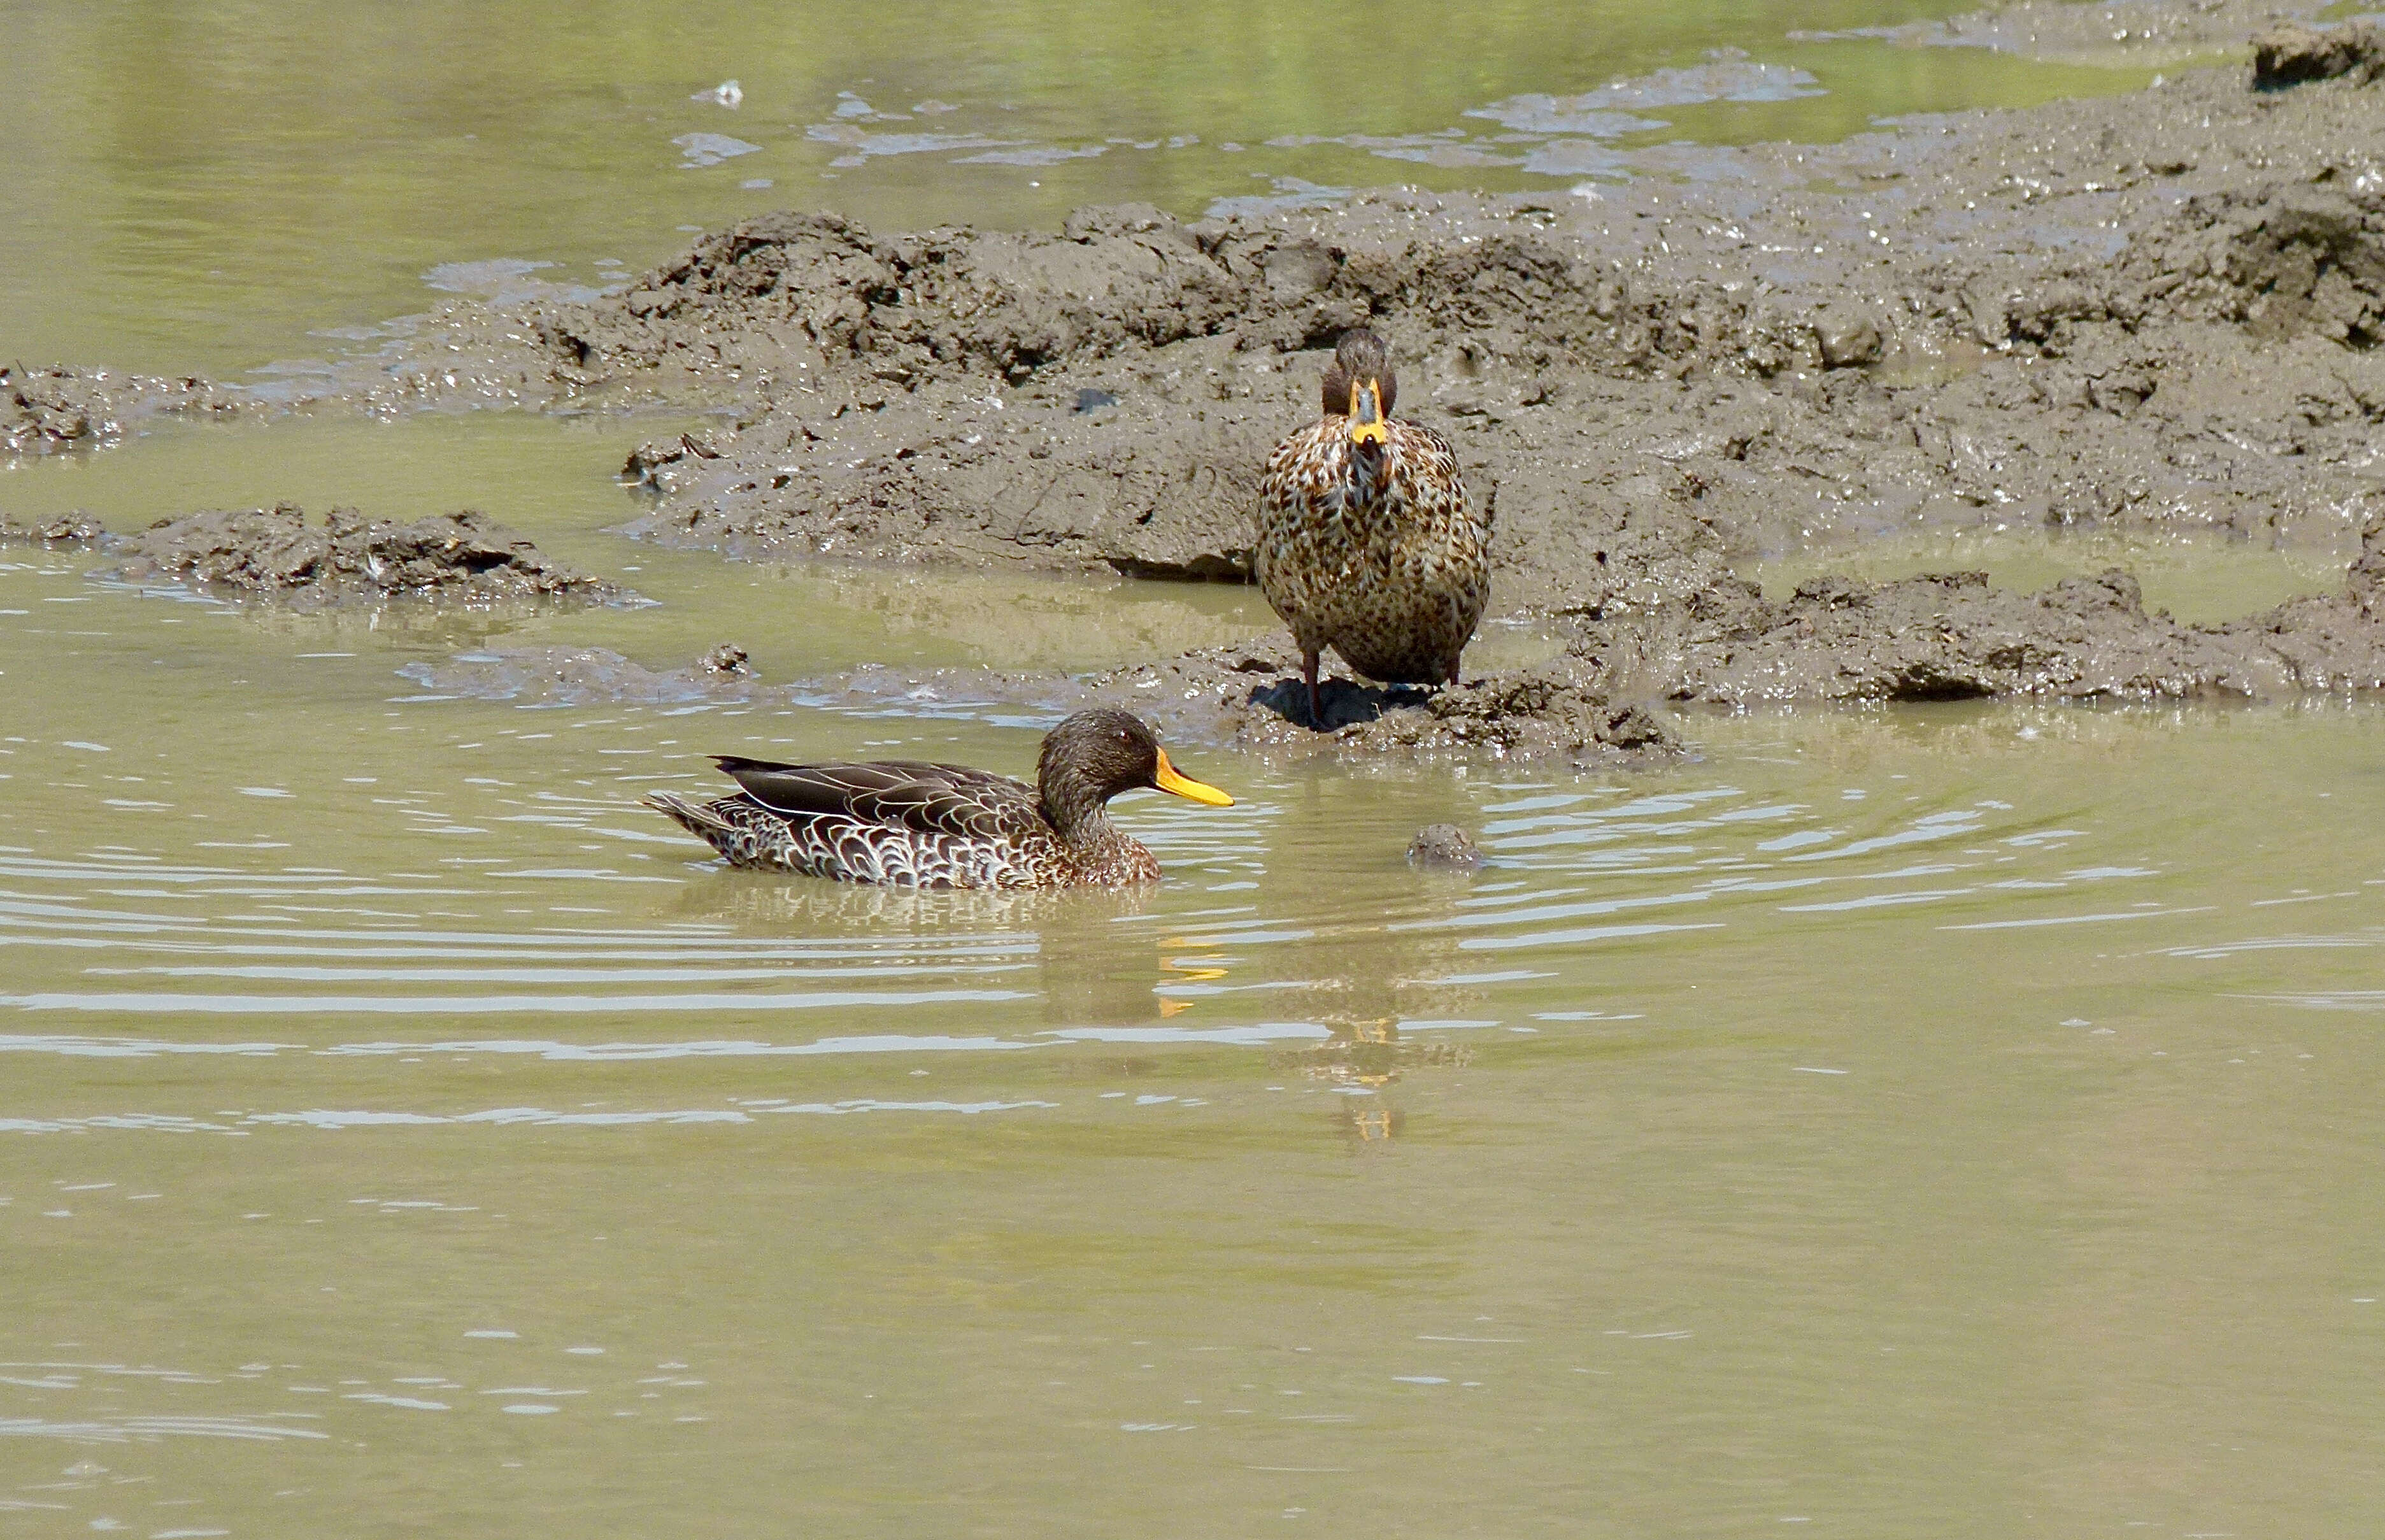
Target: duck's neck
1077 812
1365 477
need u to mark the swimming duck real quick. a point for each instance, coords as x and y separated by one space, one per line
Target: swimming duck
909 824
1365 544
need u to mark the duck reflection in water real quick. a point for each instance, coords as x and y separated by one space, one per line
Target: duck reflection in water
1101 965
1092 965
1361 1059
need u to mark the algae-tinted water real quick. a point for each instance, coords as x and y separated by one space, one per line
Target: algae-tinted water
211 187
1956 1120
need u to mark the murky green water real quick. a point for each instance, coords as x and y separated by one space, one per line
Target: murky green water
1954 1120
213 186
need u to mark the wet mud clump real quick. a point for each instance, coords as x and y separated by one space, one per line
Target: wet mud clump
277 552
2296 56
65 529
46 409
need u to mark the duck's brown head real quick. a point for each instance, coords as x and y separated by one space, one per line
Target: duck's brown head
1360 385
1094 756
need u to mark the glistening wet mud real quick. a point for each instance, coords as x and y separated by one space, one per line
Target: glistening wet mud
279 552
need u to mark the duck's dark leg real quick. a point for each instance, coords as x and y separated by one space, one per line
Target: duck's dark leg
1309 661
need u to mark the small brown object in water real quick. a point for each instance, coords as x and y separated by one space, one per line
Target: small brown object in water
1446 847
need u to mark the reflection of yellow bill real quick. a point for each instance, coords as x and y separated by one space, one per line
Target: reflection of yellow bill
1366 414
1169 779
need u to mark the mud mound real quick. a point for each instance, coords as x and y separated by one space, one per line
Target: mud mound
2313 262
2295 55
786 293
276 551
2281 259
65 529
46 409
1156 480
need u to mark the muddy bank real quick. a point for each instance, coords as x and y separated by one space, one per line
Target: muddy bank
1947 636
2151 313
2146 313
277 552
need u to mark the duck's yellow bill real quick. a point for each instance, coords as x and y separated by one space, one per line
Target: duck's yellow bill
1366 414
1171 780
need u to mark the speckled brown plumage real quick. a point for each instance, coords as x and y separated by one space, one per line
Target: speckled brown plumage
1366 543
905 823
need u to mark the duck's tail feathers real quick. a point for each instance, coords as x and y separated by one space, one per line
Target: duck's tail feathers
697 817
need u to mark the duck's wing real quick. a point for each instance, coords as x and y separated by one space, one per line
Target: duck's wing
906 793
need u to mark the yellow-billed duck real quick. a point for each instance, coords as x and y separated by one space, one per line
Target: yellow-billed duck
1365 544
909 824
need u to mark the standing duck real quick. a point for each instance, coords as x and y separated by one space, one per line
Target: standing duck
909 824
1365 544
